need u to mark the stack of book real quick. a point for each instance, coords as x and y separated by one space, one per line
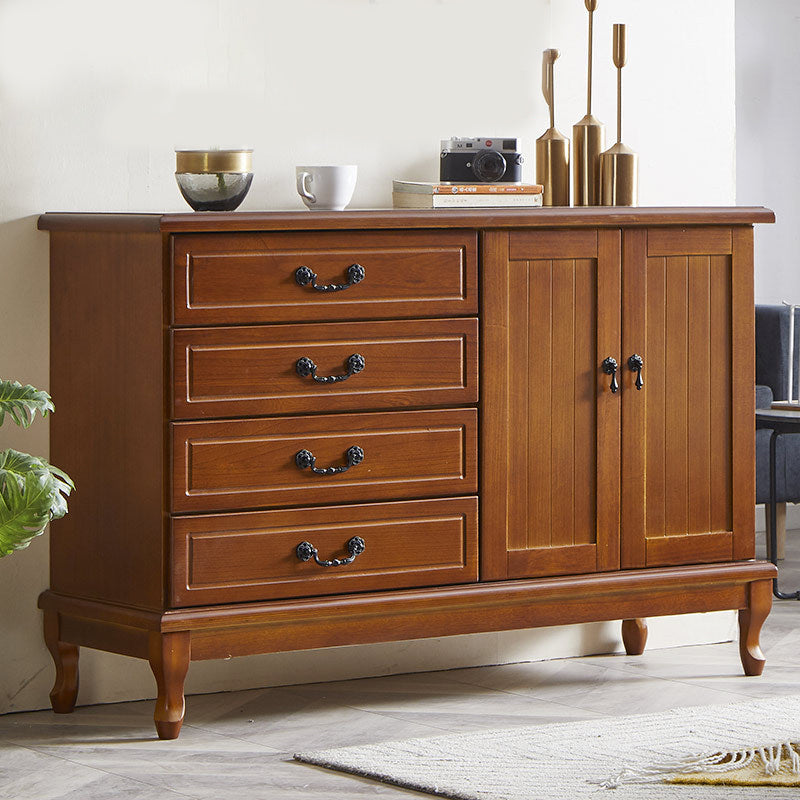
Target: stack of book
419 194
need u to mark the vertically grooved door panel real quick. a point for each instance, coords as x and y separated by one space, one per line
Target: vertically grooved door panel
683 432
559 296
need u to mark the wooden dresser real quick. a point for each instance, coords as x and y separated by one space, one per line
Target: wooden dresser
300 430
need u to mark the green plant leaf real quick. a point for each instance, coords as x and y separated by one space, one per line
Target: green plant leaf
32 492
22 402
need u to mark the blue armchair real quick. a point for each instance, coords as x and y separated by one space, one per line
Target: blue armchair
772 382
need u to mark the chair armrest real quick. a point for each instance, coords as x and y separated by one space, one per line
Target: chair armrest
763 396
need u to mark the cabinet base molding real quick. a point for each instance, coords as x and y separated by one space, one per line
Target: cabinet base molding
170 640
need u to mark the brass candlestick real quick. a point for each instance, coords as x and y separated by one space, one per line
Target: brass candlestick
552 148
588 137
619 165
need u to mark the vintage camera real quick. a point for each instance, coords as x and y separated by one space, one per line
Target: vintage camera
480 161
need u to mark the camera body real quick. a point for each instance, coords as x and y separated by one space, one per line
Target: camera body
465 160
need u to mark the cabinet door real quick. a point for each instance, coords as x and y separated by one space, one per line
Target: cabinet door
549 422
687 435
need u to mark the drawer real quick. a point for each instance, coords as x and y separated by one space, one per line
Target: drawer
244 278
231 558
243 464
252 371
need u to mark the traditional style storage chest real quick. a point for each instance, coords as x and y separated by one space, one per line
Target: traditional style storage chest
294 430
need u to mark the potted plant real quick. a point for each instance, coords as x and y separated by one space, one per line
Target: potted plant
32 492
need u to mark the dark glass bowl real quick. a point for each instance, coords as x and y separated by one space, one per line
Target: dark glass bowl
214 191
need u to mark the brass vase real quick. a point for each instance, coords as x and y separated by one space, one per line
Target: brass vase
588 138
619 165
552 148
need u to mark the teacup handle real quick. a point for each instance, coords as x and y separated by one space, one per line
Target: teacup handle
301 187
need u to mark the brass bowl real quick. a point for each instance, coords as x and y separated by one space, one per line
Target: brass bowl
214 180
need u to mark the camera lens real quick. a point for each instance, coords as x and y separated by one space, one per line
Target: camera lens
489 165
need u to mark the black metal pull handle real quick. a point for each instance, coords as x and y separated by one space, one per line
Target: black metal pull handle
355 274
609 366
306 551
305 367
305 459
636 364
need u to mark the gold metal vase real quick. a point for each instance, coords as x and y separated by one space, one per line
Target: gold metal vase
619 165
588 137
552 148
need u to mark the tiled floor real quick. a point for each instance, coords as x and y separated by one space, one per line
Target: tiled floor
239 744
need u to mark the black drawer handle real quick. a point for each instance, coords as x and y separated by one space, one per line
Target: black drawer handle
306 551
305 367
609 366
305 459
355 274
636 364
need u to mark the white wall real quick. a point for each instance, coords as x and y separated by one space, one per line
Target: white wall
94 96
767 152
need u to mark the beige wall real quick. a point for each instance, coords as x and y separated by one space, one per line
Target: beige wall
94 96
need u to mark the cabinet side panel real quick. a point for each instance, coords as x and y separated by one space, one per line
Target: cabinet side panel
743 411
107 382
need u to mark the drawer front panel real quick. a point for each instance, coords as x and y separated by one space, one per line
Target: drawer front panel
229 558
245 278
252 371
253 463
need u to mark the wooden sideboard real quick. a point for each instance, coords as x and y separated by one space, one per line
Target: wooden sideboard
301 430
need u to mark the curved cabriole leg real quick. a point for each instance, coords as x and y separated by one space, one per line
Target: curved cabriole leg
634 636
169 659
751 619
65 657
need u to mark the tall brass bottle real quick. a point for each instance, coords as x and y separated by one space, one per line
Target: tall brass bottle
619 165
588 138
552 148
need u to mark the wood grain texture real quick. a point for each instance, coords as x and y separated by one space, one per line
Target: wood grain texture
243 464
388 616
251 371
609 300
689 241
226 558
634 636
496 472
543 245
743 406
107 362
65 658
751 620
682 418
388 219
169 658
546 383
634 403
249 278
574 480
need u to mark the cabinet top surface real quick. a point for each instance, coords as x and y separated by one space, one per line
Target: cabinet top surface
387 219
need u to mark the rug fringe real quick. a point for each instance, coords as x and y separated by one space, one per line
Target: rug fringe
720 762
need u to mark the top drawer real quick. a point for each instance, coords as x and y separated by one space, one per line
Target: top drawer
222 278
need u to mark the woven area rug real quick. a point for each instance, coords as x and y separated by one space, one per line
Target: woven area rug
615 757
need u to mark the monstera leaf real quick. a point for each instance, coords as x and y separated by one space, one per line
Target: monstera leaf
22 402
32 492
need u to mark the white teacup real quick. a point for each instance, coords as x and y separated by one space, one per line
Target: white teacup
326 188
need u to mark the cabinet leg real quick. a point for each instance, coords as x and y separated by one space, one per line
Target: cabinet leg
750 621
634 636
169 659
65 656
